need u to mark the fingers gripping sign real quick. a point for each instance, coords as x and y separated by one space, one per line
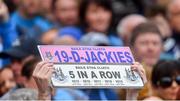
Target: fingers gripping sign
137 67
133 93
42 75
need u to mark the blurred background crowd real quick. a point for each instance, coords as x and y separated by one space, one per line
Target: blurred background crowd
151 28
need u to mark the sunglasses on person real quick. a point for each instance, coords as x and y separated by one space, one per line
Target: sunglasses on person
166 82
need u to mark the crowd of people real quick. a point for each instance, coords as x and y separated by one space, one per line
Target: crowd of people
151 28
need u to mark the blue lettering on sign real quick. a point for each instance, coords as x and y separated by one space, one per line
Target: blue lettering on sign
129 58
109 57
100 54
121 57
114 53
75 56
94 58
58 56
87 59
65 56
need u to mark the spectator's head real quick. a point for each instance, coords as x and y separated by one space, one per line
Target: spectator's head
27 71
7 80
96 15
173 14
163 3
29 8
66 11
127 24
45 6
66 40
20 53
166 79
70 31
49 36
95 39
158 15
68 36
146 43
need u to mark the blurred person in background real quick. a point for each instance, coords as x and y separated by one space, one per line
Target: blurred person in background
174 21
124 8
97 16
163 3
158 15
18 54
66 40
49 37
146 45
70 31
29 91
27 70
8 33
165 81
7 82
126 26
94 39
26 20
66 12
46 11
69 35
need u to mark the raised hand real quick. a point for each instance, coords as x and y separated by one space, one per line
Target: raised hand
133 93
4 14
42 74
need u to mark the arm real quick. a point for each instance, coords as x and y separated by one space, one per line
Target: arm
7 30
133 93
41 75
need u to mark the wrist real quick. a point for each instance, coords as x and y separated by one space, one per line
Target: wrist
131 94
45 94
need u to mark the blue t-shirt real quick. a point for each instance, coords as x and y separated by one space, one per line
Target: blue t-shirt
33 27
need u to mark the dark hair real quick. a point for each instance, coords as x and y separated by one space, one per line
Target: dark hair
28 67
155 10
106 4
164 68
142 29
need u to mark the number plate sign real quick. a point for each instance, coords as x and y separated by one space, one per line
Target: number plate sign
91 66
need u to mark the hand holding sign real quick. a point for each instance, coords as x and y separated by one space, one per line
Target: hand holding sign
140 70
131 94
42 75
